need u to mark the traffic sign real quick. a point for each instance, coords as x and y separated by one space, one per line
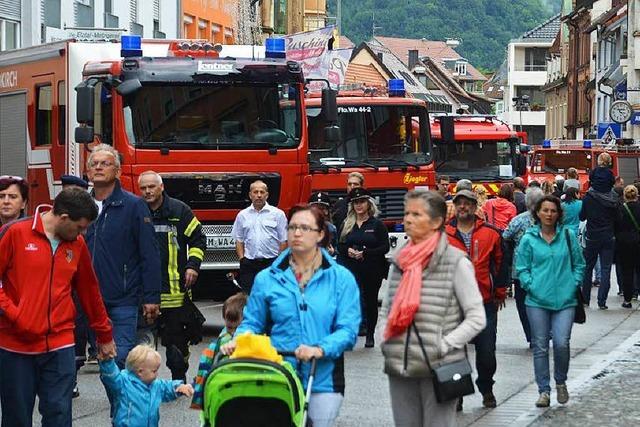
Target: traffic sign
609 132
635 118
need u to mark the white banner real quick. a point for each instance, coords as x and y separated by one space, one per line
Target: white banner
311 50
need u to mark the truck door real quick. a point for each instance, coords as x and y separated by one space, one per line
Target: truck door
13 134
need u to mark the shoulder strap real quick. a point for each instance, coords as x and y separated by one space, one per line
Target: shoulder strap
568 239
633 219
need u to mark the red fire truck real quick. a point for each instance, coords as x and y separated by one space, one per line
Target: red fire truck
385 137
209 126
554 157
482 149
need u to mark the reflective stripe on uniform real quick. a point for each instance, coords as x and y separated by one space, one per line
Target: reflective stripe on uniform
163 228
192 226
172 265
196 253
171 300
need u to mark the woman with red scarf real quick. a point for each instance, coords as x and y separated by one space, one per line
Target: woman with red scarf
432 285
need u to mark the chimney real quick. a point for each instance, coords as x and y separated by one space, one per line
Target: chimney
413 58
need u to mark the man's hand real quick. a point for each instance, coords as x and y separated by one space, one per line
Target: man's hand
190 277
185 389
107 350
305 353
151 312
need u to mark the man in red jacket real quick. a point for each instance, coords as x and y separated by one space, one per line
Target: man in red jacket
42 259
483 243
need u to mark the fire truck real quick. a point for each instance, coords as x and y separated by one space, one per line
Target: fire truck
383 135
480 148
554 157
210 124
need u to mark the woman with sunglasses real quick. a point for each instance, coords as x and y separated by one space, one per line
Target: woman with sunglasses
14 194
362 245
311 306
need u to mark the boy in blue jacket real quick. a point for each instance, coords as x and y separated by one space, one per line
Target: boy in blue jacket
137 390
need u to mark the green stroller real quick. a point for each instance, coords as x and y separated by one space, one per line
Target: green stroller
247 392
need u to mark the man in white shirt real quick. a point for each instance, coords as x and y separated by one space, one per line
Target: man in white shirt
260 232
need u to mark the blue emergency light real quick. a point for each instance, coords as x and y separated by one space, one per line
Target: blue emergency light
275 48
131 46
398 228
586 143
546 143
396 87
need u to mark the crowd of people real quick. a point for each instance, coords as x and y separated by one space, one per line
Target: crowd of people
105 264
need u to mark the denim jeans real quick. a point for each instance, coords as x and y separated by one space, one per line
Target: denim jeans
557 324
603 248
597 273
485 343
324 408
125 321
50 376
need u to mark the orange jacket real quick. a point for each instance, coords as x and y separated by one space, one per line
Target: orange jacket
485 254
38 313
499 212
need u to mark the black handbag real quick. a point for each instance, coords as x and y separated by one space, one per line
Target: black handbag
580 315
450 380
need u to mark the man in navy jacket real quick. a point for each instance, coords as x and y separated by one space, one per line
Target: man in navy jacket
124 249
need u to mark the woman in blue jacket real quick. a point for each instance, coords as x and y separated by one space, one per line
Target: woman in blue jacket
541 257
311 305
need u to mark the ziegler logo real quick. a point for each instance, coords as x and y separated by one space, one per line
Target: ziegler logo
220 191
414 179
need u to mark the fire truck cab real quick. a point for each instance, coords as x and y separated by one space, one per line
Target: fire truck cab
385 136
480 148
555 157
209 124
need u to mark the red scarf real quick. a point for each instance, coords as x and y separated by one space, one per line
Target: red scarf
412 260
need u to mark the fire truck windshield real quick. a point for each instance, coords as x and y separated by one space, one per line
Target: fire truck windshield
558 161
383 135
476 159
213 116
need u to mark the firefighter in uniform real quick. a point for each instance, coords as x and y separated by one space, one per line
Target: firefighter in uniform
182 245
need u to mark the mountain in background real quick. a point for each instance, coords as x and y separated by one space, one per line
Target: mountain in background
484 27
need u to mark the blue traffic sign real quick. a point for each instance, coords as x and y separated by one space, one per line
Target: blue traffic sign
635 118
607 128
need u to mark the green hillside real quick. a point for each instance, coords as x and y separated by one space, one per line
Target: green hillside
484 26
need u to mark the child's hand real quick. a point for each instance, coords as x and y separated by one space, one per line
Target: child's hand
186 389
228 348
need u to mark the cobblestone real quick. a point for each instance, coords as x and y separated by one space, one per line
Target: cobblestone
610 398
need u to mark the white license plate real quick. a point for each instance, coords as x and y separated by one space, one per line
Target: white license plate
221 242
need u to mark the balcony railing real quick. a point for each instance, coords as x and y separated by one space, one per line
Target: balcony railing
530 67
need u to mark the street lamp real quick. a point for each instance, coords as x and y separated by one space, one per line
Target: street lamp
521 103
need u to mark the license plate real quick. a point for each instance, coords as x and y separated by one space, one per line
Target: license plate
221 242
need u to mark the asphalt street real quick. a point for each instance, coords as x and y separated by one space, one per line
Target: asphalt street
367 398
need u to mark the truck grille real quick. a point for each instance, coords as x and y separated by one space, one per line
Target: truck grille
390 201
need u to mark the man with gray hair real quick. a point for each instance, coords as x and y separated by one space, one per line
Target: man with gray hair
124 250
260 232
182 245
464 184
511 236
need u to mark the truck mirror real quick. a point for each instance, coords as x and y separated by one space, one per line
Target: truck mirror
86 101
330 105
447 132
128 87
331 135
84 134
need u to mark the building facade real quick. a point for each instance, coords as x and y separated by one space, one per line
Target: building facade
32 22
211 20
524 101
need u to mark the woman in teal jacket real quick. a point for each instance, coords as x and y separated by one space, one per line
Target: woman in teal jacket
310 305
543 256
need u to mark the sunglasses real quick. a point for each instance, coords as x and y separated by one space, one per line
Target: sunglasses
11 179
